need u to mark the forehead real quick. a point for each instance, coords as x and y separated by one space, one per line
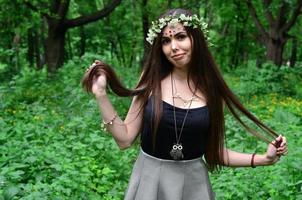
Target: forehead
172 29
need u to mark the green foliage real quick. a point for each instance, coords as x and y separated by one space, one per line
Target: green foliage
268 78
281 181
15 20
281 111
52 146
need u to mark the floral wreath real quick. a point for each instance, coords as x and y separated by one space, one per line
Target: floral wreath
191 21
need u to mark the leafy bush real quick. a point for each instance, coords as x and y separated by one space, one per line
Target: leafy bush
52 146
278 182
268 79
51 143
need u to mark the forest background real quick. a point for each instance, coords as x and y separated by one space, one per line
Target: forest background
51 142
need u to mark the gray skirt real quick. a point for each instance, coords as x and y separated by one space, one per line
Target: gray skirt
158 179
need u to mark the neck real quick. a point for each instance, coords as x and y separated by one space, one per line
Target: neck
180 74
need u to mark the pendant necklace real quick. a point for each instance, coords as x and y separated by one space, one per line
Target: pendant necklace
185 101
176 151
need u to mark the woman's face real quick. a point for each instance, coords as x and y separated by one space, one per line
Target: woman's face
176 45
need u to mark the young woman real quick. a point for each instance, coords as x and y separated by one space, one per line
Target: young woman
178 111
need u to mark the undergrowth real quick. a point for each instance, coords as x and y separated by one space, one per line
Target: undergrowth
52 146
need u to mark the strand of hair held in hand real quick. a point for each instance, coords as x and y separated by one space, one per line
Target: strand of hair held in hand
112 80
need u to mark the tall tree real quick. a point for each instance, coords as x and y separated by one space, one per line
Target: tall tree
276 35
58 24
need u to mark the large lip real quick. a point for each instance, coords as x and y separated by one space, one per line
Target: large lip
178 56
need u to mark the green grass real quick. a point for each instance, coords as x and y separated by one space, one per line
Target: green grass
52 146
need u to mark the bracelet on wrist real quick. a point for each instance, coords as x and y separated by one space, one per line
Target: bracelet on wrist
253 160
110 122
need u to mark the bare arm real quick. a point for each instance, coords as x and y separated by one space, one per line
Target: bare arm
272 155
123 132
237 159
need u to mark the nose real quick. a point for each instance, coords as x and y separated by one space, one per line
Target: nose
174 45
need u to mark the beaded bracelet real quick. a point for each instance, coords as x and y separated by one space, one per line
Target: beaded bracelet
111 121
252 161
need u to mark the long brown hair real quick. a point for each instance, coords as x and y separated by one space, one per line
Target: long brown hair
206 77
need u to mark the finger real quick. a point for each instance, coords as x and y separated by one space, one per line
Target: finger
277 142
281 148
283 141
97 61
277 139
284 151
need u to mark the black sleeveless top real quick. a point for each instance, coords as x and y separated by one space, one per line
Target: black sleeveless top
193 136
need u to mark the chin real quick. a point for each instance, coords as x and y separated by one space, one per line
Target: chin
182 64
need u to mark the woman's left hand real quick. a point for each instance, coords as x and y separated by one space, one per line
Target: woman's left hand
274 152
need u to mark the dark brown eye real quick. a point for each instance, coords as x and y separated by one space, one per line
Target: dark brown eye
181 36
165 41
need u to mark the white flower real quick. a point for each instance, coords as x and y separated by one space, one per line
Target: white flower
161 20
149 40
182 17
157 30
173 22
189 21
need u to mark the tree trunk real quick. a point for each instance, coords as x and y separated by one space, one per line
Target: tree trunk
16 47
30 44
275 49
122 53
33 52
236 50
276 36
82 41
69 48
54 48
206 7
36 43
293 56
58 25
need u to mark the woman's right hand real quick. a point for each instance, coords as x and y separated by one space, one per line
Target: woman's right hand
99 83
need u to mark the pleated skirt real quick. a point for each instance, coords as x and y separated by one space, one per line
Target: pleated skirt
158 179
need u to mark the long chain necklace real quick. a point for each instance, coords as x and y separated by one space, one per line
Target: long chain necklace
176 151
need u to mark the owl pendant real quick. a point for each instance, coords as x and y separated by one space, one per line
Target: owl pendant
176 152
